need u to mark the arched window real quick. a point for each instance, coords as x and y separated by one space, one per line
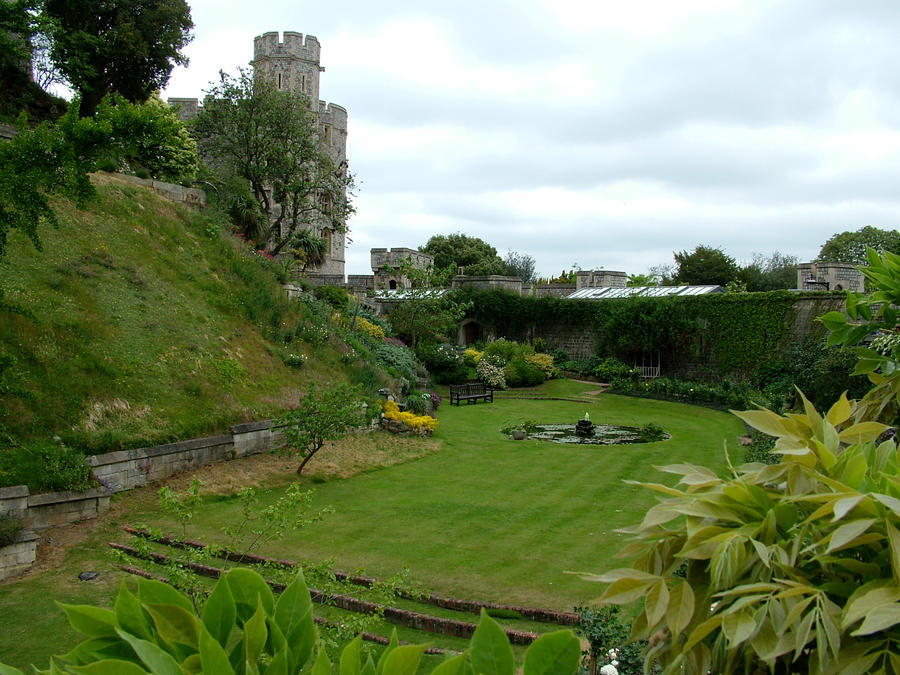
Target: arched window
392 284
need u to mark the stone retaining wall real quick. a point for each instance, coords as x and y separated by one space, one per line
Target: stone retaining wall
190 197
18 557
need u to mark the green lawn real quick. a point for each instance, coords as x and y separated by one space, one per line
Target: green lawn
484 518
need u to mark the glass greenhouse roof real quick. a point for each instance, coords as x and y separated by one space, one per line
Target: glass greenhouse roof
642 291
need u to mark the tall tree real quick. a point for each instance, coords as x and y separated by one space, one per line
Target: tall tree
705 265
128 46
269 138
850 247
520 265
777 271
474 255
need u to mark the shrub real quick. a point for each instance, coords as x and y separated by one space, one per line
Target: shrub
560 356
374 331
521 373
610 369
9 529
472 357
335 296
415 403
544 362
506 350
652 432
45 467
399 358
410 419
491 374
608 637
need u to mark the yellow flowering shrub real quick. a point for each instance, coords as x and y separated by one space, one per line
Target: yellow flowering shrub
417 422
472 356
544 362
374 331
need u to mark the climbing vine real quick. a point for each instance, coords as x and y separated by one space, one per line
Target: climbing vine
733 333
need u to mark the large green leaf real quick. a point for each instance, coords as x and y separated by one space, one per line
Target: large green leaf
681 608
108 667
248 589
878 619
293 614
212 654
846 533
657 603
556 653
220 613
153 592
452 666
130 615
255 634
175 625
404 660
491 653
91 621
392 644
322 665
158 661
351 663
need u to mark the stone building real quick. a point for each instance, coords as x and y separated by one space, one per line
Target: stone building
386 264
292 62
829 276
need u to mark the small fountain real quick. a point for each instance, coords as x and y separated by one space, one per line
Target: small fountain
584 428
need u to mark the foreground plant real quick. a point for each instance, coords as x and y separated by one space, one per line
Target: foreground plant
243 628
793 567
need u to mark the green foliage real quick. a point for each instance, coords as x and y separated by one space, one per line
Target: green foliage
652 432
320 416
45 467
608 637
778 271
9 529
751 596
610 369
400 359
426 314
415 402
721 394
261 135
823 372
520 265
149 137
243 628
521 373
850 247
444 363
705 265
88 36
336 296
474 255
48 159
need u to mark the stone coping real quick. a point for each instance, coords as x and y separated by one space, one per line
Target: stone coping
44 498
169 448
14 492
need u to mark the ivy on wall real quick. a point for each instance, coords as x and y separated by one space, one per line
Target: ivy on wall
734 332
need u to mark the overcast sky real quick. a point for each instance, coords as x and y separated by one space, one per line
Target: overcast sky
598 134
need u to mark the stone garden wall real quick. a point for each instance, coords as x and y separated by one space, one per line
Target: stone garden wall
119 471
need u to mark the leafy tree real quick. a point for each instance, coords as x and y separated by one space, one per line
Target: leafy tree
664 275
641 280
269 138
705 265
426 312
520 265
474 255
16 28
322 415
50 158
149 136
778 271
850 247
127 46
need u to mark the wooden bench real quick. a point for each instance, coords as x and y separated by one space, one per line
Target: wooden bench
471 392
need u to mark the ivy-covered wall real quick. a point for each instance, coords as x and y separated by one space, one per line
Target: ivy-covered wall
710 335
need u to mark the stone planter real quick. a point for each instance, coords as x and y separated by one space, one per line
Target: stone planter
519 434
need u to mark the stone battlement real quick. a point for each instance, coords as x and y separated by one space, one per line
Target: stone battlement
294 46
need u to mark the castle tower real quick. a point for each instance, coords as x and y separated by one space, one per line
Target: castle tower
292 64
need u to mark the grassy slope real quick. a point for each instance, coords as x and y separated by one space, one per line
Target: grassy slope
147 320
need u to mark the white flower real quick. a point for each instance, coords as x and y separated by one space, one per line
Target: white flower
609 670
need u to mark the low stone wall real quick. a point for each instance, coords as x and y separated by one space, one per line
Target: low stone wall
19 556
128 469
190 197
